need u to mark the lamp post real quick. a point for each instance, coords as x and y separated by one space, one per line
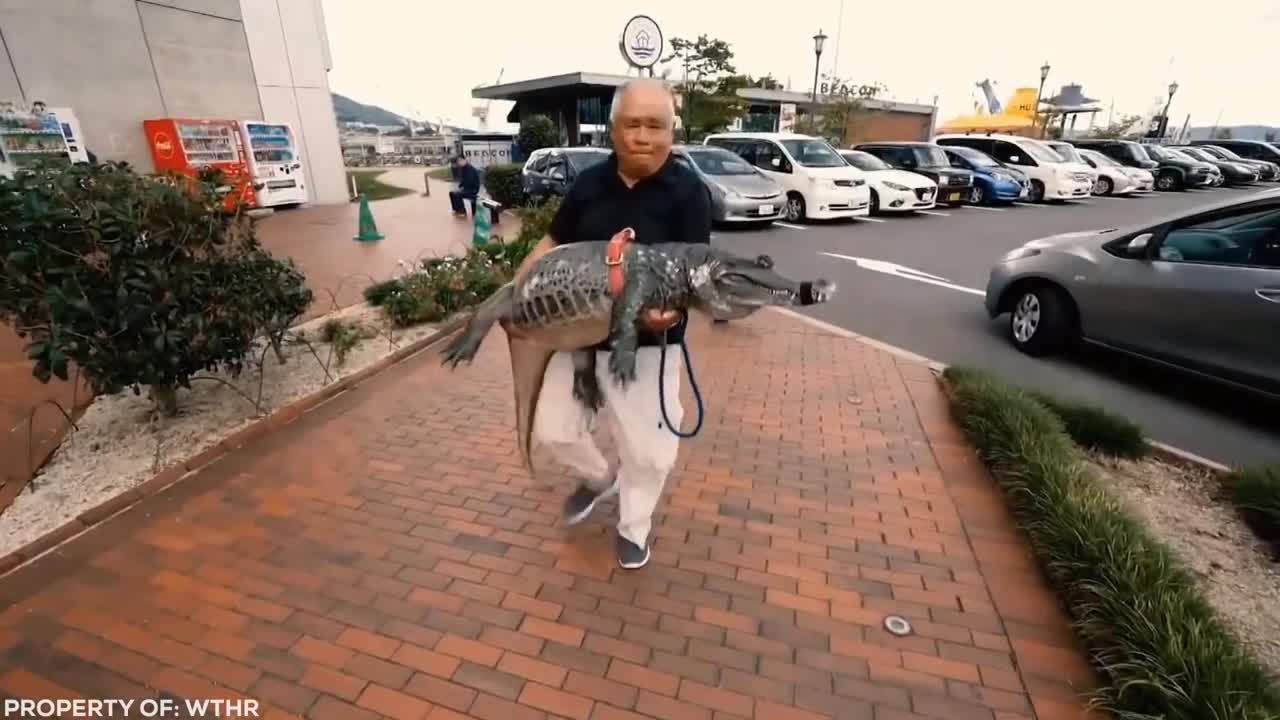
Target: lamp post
1035 111
1173 88
818 41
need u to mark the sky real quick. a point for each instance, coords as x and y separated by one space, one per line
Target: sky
421 58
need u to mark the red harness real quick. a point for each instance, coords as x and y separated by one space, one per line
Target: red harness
613 260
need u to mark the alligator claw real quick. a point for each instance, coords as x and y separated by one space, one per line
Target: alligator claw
622 365
586 390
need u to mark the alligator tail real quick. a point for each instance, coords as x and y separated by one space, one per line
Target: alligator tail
466 344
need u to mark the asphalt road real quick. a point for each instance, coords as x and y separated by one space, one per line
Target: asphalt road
941 316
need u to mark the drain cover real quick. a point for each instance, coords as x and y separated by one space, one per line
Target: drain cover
897 625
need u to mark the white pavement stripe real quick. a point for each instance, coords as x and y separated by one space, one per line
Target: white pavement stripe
934 212
789 225
1036 206
1083 202
982 207
871 219
901 271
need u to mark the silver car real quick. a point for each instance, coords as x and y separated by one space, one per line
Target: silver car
1199 291
739 192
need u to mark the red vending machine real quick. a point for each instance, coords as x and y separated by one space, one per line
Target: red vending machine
187 145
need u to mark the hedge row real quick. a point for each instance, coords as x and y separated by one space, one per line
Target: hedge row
1160 647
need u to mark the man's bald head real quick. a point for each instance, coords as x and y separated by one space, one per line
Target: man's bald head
642 124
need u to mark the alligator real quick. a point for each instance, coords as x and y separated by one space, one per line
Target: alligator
579 295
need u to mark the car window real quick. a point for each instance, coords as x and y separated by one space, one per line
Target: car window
583 160
864 160
720 162
1242 237
556 167
1006 152
813 153
539 162
766 152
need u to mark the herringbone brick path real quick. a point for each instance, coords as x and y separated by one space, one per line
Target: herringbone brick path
386 555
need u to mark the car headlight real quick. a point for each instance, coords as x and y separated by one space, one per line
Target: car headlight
896 186
728 193
1019 254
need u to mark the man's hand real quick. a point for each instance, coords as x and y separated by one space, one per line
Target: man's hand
656 319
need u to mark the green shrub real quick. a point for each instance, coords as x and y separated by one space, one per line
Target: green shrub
443 286
1157 643
377 293
342 336
537 132
1255 492
502 181
1097 429
140 280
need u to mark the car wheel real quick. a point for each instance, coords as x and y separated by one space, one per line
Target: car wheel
1168 181
976 196
1041 322
1103 186
875 203
1037 192
795 207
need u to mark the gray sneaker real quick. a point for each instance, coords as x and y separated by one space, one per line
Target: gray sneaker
579 505
630 555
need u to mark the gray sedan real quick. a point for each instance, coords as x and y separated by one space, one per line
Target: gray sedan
1198 291
739 192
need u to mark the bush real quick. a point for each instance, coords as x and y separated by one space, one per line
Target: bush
1255 492
377 293
1097 429
342 336
139 280
502 181
537 132
443 286
1156 641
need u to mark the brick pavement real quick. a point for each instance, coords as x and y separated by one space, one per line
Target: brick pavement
386 555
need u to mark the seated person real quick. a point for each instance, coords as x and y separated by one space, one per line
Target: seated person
468 179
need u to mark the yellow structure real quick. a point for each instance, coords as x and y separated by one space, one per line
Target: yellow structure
1018 115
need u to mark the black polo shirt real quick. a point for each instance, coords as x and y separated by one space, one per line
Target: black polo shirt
671 206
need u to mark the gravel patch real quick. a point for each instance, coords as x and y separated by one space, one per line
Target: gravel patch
121 443
1237 572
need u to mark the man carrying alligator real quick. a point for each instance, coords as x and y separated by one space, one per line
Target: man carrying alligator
586 313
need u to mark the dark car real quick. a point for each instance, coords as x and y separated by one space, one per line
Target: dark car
1125 152
1233 173
1250 149
993 181
930 160
1178 171
550 171
1268 171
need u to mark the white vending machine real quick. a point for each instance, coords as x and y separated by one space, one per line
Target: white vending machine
274 163
71 132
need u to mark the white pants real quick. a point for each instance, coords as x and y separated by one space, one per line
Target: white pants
646 448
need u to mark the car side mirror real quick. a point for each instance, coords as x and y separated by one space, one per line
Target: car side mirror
1137 246
776 162
1015 159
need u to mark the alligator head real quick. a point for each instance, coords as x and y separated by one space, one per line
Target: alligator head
729 286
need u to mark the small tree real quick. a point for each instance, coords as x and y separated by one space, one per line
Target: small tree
141 281
502 180
708 86
837 117
537 132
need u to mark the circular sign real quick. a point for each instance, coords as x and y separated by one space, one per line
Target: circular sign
641 42
164 145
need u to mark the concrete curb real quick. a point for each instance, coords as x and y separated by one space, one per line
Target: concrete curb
167 477
1167 453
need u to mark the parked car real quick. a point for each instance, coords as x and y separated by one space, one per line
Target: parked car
1233 173
1177 171
550 171
893 190
1250 149
1052 176
1198 290
1069 153
1114 178
954 184
993 181
739 192
818 183
1267 171
1126 152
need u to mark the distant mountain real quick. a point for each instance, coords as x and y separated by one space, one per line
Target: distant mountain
348 110
1238 132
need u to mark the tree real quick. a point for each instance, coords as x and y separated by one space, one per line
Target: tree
840 112
537 132
709 85
1118 129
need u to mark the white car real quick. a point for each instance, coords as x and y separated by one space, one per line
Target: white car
893 190
1113 178
1052 176
818 183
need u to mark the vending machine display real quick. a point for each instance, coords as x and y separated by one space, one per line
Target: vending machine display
69 124
186 145
27 136
278 176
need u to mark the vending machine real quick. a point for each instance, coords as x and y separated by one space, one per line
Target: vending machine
187 145
272 151
67 121
27 136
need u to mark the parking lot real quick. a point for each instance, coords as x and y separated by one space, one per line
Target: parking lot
917 282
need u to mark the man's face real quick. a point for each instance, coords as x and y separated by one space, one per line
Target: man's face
642 130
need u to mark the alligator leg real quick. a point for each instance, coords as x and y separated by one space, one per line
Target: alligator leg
624 330
586 387
529 362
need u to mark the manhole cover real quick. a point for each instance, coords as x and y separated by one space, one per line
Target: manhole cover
897 625
854 399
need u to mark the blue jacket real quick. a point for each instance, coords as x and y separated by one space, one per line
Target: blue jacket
469 180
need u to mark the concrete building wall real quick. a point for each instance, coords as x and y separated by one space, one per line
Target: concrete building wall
119 62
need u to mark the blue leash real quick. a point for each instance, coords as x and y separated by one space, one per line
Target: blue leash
693 384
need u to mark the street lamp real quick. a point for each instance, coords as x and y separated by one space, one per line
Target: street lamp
818 41
1035 111
1173 88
